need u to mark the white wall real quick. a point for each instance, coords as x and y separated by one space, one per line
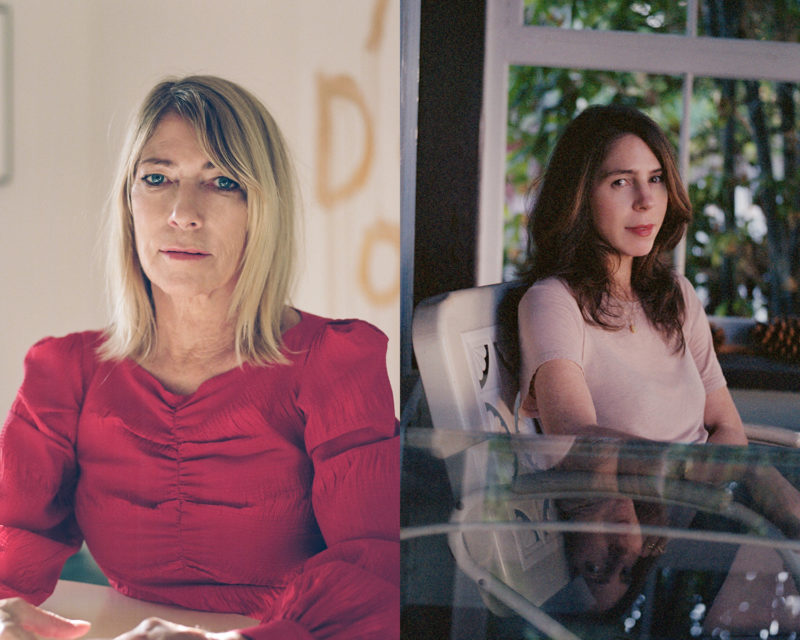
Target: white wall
82 66
48 213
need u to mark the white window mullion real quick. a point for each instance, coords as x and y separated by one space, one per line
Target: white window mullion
679 255
502 17
657 53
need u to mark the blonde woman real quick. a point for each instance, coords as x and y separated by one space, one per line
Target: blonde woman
216 448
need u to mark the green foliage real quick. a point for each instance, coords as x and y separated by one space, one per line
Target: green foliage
744 256
660 16
541 103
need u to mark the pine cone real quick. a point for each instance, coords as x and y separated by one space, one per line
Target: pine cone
718 337
780 339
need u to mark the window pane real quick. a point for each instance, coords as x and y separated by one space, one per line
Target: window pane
744 184
656 16
743 247
541 102
778 20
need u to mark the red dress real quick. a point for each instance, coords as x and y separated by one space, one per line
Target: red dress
271 491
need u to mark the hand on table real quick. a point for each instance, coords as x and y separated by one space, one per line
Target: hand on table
22 621
158 629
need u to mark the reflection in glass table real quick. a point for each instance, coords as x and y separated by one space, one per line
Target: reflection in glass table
544 537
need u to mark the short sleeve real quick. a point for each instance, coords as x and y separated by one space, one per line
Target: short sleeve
551 327
699 342
351 589
38 470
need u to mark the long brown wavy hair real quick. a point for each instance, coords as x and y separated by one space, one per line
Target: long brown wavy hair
563 241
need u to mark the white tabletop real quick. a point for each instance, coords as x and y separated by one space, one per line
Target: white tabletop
111 613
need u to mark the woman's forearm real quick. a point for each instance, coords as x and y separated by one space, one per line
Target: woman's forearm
722 420
775 497
727 433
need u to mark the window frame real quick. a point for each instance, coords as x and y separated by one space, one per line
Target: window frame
511 42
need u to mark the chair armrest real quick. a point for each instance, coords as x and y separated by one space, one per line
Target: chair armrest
777 436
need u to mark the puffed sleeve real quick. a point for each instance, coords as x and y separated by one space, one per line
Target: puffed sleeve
697 333
38 471
551 327
349 591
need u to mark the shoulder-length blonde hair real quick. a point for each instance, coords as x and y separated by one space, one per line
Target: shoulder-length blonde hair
240 137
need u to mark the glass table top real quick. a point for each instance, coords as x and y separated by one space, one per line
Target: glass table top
543 537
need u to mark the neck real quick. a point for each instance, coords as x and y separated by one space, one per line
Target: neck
621 273
195 329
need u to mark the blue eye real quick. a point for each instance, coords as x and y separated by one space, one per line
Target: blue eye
226 184
154 179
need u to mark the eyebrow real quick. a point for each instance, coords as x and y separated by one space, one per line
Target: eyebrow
626 172
169 163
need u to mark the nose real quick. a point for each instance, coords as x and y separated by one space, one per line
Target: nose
644 197
186 212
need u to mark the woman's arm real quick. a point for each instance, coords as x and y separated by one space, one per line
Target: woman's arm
38 471
552 384
350 590
720 415
563 399
773 494
722 419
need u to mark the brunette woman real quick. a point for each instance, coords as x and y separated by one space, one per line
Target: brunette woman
610 336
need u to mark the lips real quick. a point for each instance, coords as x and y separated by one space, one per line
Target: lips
642 230
181 253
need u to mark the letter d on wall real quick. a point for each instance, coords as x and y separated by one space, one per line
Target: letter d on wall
343 87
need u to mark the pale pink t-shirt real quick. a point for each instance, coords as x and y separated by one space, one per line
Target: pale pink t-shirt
638 384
